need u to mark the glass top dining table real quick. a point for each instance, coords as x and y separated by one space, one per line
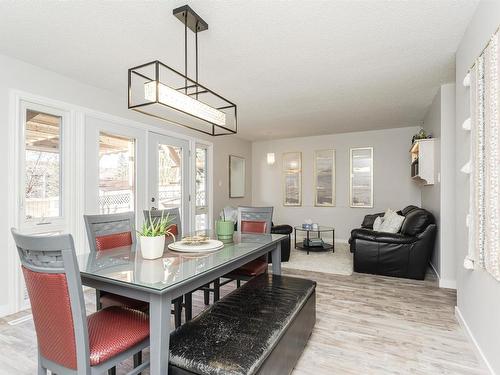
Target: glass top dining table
123 271
126 265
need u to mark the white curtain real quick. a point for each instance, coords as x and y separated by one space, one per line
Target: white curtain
484 228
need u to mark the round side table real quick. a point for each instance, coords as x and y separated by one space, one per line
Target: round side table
318 231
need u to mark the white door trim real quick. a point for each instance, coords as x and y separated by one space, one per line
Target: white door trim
154 140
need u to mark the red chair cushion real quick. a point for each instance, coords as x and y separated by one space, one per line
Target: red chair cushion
250 226
254 268
258 266
110 299
114 330
111 241
173 229
51 309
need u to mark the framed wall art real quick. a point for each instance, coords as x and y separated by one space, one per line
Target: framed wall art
292 179
361 182
324 178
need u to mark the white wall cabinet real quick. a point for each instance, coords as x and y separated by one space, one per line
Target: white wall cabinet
423 161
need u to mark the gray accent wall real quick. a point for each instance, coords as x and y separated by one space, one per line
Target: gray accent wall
393 186
439 198
431 194
478 293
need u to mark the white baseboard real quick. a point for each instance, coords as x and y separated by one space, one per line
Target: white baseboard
477 349
444 283
448 284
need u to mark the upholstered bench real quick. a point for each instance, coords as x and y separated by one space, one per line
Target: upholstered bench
260 328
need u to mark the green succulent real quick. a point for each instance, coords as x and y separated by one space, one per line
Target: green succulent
157 226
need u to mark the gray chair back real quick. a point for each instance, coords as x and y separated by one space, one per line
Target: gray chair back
173 213
48 262
255 219
115 229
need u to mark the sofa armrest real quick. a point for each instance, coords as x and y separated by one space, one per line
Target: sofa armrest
383 237
363 234
394 238
281 229
370 219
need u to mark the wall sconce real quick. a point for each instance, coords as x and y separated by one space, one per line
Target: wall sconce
270 158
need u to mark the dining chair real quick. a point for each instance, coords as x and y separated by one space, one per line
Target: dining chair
69 341
176 230
173 214
110 231
250 220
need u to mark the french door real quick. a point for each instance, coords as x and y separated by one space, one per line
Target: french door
169 175
130 169
115 168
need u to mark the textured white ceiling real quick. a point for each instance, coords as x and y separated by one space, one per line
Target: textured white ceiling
293 67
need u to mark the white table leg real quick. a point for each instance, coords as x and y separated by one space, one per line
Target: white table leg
159 333
276 258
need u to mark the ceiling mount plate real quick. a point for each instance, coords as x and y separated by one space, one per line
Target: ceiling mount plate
194 21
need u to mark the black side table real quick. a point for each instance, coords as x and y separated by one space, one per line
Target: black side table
318 231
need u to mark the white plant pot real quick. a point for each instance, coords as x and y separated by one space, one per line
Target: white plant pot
152 247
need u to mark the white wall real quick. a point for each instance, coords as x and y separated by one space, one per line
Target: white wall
478 293
15 74
393 186
448 264
431 199
439 198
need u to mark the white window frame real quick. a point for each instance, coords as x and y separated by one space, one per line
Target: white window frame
95 125
50 224
154 139
70 123
209 184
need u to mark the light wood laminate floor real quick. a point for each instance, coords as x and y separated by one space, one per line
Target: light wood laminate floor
365 325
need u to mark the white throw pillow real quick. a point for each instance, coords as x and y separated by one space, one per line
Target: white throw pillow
377 223
392 222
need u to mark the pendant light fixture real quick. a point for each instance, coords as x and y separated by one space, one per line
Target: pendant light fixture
157 90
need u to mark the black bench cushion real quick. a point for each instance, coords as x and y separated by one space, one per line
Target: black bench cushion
236 334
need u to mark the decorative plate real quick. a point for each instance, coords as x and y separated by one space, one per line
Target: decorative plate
206 246
195 240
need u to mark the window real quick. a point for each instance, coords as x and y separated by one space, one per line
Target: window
201 217
116 173
42 166
169 176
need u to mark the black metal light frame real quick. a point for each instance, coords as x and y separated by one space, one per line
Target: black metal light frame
191 86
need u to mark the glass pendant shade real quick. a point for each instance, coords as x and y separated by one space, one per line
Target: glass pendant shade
182 102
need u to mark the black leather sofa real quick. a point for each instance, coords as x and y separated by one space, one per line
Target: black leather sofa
404 254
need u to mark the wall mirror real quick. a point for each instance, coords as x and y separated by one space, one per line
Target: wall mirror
236 177
292 179
361 185
324 178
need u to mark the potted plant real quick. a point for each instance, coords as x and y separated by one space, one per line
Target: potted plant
152 236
